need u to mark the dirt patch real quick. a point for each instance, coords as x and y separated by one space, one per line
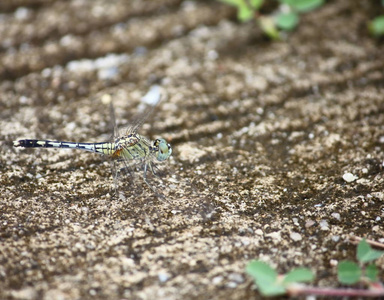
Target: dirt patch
262 135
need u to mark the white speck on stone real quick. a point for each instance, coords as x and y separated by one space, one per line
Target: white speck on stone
23 100
106 66
311 136
107 73
276 236
333 262
212 55
231 285
335 238
349 177
324 225
92 292
163 277
295 236
381 139
236 277
22 13
309 223
106 99
364 170
336 216
70 127
67 40
217 280
378 219
153 96
259 232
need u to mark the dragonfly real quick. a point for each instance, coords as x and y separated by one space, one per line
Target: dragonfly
130 146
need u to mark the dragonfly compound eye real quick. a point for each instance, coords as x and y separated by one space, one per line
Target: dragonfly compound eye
164 149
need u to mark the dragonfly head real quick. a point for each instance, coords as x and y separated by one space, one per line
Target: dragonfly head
163 149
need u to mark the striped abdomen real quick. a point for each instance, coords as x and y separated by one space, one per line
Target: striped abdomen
102 148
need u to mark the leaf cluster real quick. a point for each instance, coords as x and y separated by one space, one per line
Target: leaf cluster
287 15
270 283
285 18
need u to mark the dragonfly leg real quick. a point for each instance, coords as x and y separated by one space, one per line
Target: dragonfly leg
146 181
145 176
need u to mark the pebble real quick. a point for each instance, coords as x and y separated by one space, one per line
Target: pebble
295 236
349 177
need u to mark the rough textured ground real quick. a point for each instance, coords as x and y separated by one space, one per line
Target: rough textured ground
262 134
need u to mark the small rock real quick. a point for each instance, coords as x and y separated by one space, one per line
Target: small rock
295 236
324 225
276 236
333 262
349 177
217 280
163 277
236 277
259 232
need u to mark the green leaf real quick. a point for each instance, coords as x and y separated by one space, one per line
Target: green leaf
371 271
303 5
256 4
236 3
287 21
298 275
268 26
265 278
271 290
362 249
348 272
261 271
376 26
365 253
244 13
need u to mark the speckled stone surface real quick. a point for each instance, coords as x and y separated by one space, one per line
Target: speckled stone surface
277 147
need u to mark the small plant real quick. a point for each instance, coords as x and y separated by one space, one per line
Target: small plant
286 17
245 10
349 272
376 26
272 284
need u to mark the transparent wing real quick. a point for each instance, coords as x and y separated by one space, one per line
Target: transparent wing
148 104
145 162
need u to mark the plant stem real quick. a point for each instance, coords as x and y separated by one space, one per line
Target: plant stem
304 290
355 240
